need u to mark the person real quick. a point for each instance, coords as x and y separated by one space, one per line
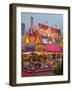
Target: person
44 39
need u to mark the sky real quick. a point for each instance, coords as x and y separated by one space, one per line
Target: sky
52 20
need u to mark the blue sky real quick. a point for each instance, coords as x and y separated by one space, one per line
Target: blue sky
54 20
